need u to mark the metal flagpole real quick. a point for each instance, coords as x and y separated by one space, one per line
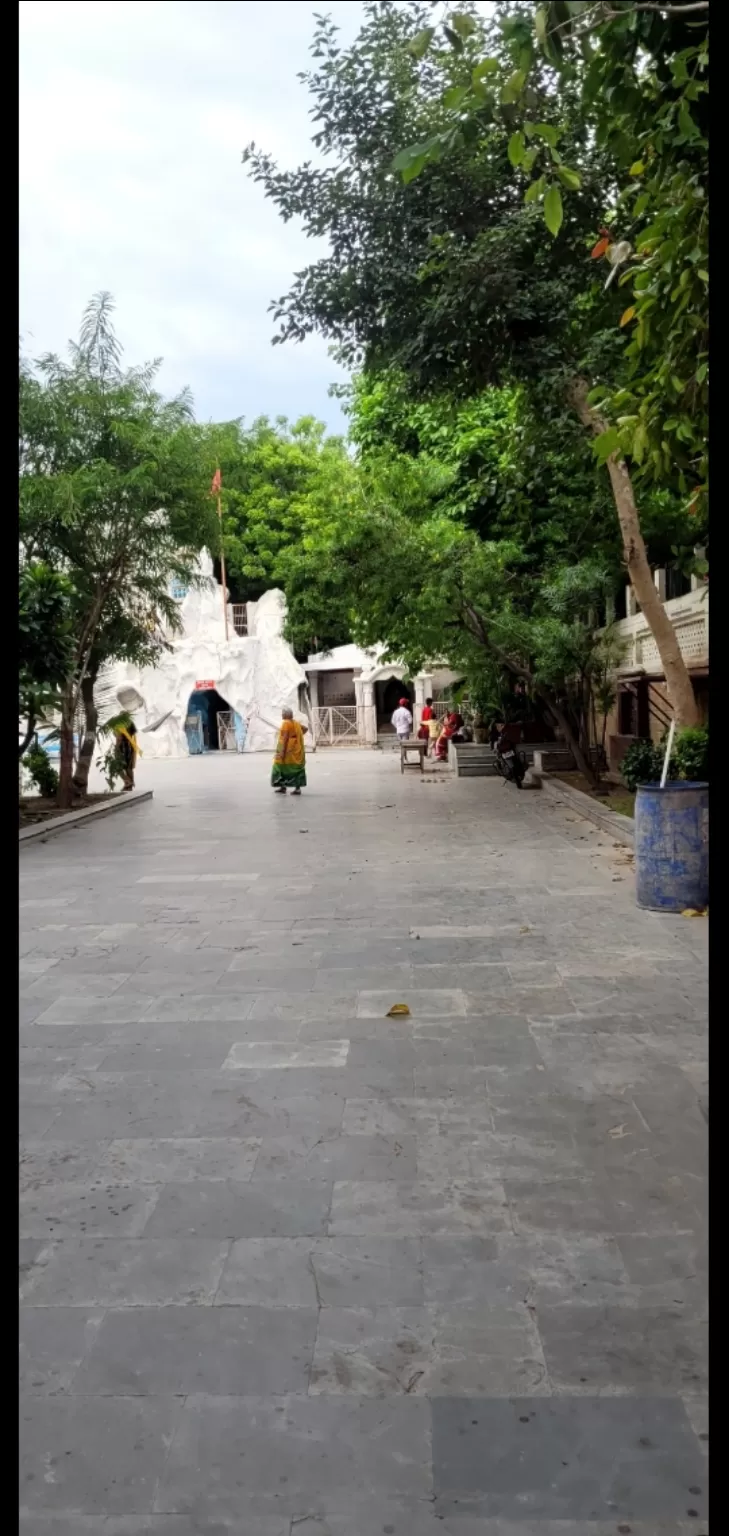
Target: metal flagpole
216 487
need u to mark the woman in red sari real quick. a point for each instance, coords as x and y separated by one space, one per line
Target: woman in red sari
452 726
426 716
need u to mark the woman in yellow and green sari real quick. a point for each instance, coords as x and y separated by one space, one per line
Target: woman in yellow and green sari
289 764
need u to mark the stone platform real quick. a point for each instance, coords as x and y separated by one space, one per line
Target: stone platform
291 1265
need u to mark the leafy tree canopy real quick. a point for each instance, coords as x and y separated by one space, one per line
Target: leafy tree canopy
636 76
281 482
114 495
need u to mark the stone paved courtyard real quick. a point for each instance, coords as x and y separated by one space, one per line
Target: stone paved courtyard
290 1265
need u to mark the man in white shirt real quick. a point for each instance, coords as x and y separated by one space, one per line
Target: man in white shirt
403 720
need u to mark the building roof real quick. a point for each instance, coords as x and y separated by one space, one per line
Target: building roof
344 658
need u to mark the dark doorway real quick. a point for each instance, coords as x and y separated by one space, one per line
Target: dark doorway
388 695
208 704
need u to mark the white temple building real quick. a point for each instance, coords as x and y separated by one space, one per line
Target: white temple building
235 687
208 692
359 689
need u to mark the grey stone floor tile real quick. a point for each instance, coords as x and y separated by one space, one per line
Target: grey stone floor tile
270 1083
586 1459
509 1273
78 987
176 1056
94 1455
460 1523
425 1351
269 978
640 1349
393 1209
377 1115
201 1009
302 1272
29 1251
355 1272
394 1054
180 1159
223 1209
108 1272
460 1154
348 1447
342 1157
147 986
276 1005
30 1009
269 1271
154 1525
397 979
62 1210
53 1343
571 1206
697 1411
264 1055
92 1012
656 1201
36 1119
508 1180
60 1162
675 1266
224 1351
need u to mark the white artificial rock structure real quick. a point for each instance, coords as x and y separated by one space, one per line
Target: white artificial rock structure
257 674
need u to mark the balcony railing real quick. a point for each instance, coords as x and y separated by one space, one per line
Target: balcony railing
690 618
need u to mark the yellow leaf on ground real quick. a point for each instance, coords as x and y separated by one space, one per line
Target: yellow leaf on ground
397 1010
693 912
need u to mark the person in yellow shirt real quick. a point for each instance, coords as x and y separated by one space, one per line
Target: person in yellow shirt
289 764
127 748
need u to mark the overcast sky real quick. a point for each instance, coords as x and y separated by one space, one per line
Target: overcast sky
133 117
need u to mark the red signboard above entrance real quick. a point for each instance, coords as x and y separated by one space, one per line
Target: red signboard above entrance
203 684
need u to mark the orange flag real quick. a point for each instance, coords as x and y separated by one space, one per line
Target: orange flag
216 485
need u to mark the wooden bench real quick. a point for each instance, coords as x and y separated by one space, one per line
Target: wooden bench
420 747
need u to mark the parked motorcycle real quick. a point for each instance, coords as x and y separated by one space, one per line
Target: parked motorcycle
510 764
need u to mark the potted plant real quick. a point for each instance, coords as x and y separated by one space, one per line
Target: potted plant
481 707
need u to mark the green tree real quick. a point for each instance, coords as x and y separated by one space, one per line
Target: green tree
396 564
45 645
282 484
515 473
114 495
638 74
453 282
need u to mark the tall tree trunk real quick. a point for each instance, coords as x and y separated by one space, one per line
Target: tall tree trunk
86 754
29 734
675 671
65 765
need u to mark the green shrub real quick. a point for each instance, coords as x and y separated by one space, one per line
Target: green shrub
41 771
112 767
691 753
642 764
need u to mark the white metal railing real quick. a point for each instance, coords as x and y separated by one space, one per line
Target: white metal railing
690 618
334 724
239 617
